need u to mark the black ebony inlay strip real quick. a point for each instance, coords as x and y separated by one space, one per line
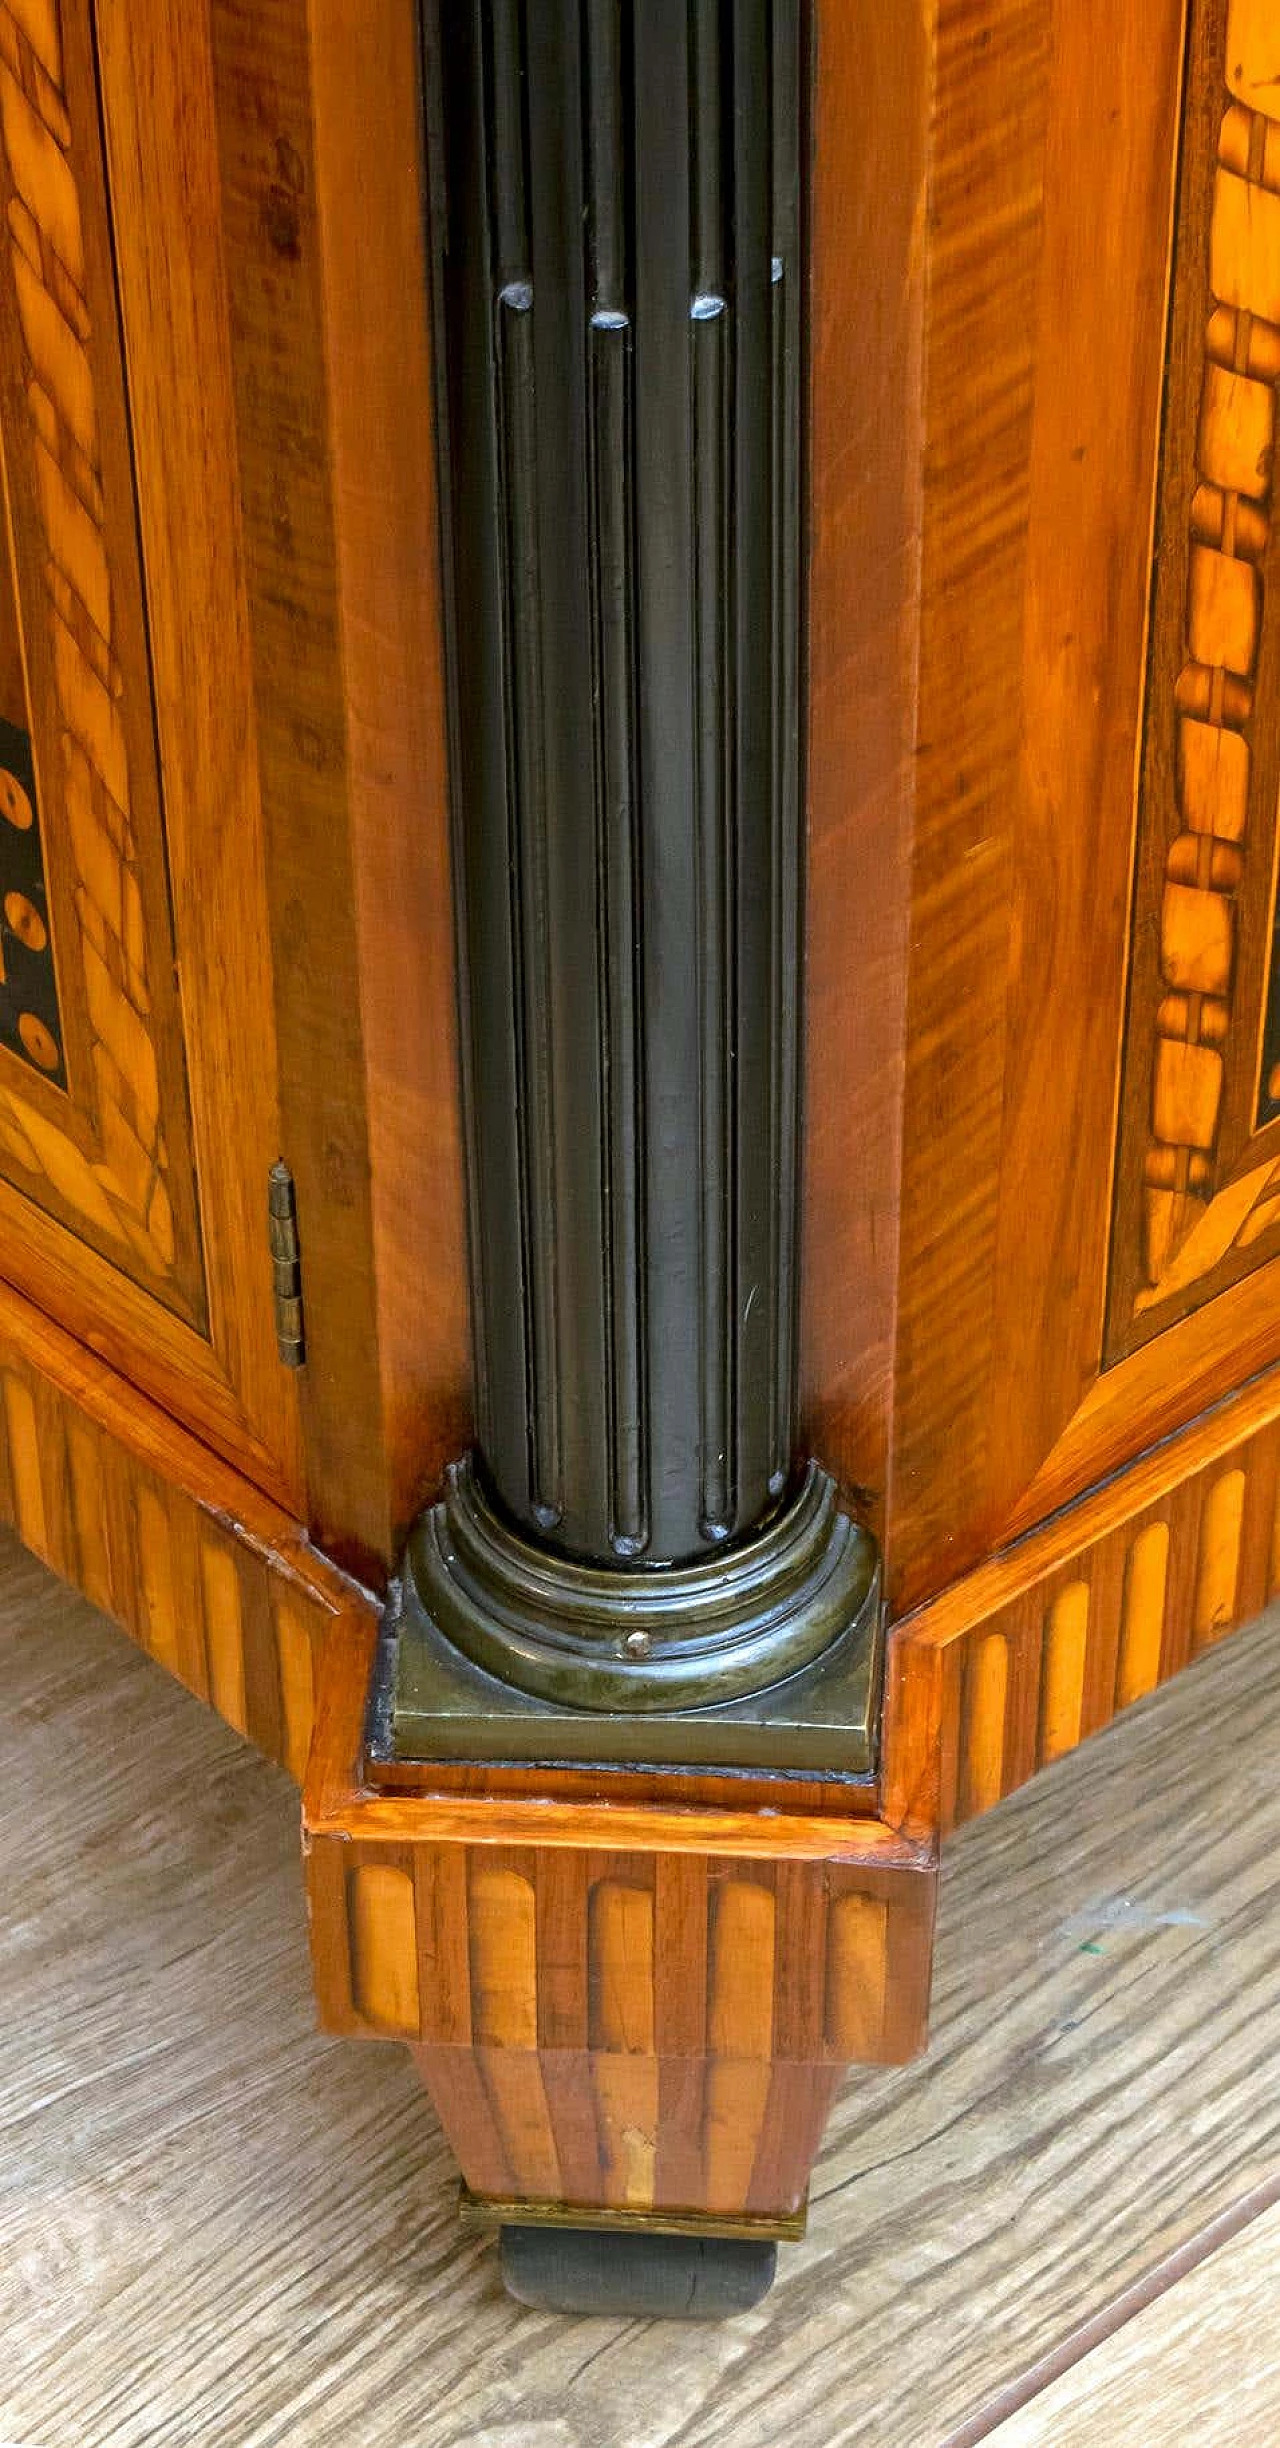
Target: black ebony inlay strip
30 1020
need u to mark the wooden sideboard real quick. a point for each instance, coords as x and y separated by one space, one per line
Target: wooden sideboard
640 1010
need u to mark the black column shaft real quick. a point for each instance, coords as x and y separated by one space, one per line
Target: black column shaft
620 291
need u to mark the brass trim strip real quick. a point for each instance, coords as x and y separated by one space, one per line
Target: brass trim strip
477 2210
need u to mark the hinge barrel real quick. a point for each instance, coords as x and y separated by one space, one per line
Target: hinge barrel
286 1266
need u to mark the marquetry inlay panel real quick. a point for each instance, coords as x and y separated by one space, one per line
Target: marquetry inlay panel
1034 1653
1199 1177
621 2005
624 2029
111 1157
218 1585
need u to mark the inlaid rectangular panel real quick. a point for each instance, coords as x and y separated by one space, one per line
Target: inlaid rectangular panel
139 1089
643 2031
205 1574
140 1072
1198 1182
95 1119
1021 1661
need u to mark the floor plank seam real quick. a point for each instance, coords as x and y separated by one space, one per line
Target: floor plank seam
1084 2340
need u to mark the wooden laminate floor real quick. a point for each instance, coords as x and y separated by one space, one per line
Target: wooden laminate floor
217 2228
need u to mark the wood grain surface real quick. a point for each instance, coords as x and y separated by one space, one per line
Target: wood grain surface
121 489
1038 1648
215 2224
1055 145
218 1585
328 324
215 420
1196 1203
988 587
871 102
1197 2365
116 1166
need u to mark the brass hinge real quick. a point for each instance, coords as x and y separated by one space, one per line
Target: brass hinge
286 1266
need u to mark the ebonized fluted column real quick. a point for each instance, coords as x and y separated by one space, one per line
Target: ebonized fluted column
619 239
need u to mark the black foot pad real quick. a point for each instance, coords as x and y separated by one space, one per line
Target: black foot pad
630 2277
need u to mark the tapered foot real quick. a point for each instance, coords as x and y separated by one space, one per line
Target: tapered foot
629 2277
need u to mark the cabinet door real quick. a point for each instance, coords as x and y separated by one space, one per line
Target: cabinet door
137 1053
1069 1235
1198 1175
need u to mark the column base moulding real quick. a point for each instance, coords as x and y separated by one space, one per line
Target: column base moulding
1021 1660
495 1651
641 2007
